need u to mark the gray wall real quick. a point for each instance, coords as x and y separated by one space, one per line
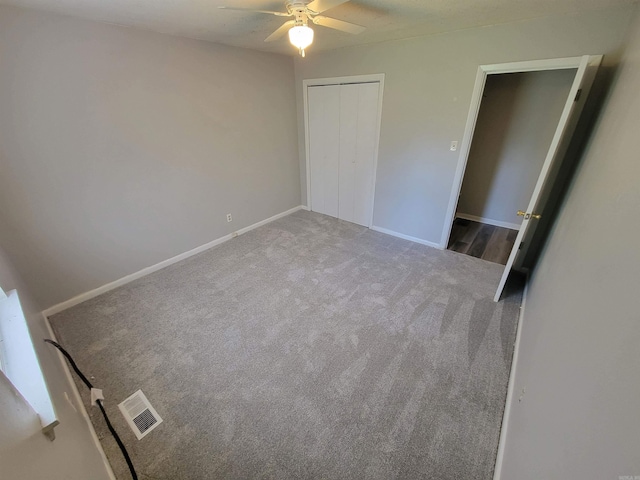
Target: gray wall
25 453
428 86
120 148
518 116
579 356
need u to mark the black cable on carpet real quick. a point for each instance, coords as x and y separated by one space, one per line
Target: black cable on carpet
86 381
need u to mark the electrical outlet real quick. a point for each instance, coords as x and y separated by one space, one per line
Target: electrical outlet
229 219
454 146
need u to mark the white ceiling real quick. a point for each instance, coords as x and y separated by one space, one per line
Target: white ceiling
384 19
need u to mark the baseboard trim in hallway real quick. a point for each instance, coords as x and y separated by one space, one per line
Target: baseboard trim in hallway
489 221
83 297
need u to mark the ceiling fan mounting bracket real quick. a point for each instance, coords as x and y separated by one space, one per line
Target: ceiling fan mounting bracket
296 5
299 10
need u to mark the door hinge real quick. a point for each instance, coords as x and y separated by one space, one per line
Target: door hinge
521 245
578 94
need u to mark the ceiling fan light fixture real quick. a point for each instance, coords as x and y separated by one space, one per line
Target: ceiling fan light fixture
303 12
301 36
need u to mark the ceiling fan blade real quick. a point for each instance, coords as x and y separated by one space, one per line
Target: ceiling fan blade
320 6
269 12
284 28
338 24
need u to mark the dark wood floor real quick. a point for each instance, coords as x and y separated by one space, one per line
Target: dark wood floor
482 241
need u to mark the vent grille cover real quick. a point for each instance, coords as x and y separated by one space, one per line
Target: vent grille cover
139 414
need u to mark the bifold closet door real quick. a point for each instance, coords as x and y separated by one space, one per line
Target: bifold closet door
358 128
343 123
324 147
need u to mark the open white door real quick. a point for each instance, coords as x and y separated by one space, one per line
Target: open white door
561 139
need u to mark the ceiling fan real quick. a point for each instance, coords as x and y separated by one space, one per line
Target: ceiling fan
300 34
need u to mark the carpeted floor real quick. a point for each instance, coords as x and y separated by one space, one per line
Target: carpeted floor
309 348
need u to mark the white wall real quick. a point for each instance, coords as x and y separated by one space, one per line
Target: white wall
579 358
428 86
25 453
518 116
120 148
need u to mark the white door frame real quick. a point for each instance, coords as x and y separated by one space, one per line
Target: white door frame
316 82
472 117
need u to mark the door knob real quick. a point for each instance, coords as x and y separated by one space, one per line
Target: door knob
527 216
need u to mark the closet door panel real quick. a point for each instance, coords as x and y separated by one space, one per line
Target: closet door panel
358 139
348 150
324 148
366 142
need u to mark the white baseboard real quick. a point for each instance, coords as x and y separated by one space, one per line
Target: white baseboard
488 221
305 207
497 473
406 237
78 398
83 297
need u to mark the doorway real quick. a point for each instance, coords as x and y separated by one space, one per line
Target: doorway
518 116
583 70
342 125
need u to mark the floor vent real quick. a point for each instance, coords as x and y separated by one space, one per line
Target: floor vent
140 415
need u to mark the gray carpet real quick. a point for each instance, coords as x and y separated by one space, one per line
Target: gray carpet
309 348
